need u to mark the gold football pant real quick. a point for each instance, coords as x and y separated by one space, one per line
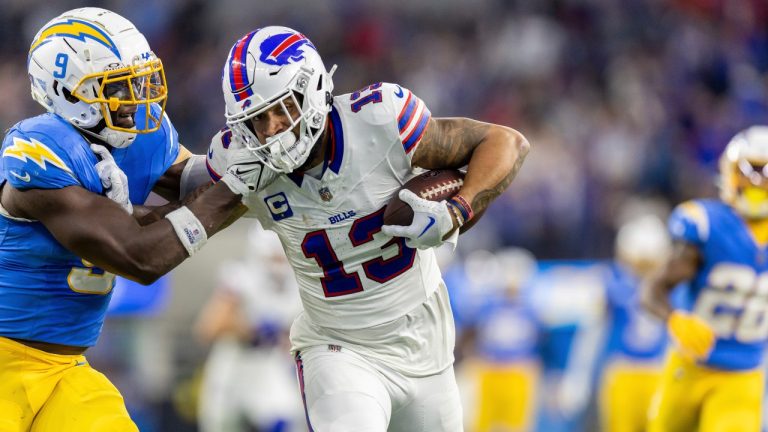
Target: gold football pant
506 396
625 395
698 398
43 392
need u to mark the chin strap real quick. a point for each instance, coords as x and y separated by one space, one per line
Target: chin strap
116 139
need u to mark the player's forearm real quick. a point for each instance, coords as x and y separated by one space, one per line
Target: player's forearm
681 266
146 215
654 296
144 253
217 207
493 165
156 248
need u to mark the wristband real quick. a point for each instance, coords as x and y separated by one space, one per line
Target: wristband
463 207
457 213
188 228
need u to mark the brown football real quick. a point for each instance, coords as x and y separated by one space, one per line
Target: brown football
436 185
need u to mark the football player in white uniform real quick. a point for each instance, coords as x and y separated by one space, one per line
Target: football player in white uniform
248 381
374 345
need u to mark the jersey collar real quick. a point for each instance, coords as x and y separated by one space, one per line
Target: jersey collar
334 154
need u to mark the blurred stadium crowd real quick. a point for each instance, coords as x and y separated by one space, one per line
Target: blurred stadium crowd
627 103
618 97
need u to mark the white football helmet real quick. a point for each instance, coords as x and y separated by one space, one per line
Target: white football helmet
744 173
265 69
517 266
87 64
643 244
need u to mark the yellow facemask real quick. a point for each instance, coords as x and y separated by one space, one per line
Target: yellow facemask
142 84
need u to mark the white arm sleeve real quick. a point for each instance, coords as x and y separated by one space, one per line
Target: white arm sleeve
193 176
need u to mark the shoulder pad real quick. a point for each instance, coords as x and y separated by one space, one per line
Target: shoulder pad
690 222
394 105
411 114
38 162
216 158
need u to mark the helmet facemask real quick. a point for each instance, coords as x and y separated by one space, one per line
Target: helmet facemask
284 151
744 173
131 86
750 185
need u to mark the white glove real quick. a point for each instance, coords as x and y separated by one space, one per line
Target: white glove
431 222
113 179
246 174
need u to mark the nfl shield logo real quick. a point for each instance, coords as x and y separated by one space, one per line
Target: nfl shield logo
325 193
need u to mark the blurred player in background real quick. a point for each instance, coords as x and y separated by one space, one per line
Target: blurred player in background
374 345
714 379
500 342
69 180
248 381
567 298
635 341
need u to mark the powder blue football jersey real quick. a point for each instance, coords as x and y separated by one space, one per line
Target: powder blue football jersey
730 291
47 293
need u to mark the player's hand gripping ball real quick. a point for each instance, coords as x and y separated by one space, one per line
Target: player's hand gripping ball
437 185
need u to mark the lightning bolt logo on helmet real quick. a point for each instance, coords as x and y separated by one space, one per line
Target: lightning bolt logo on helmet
77 29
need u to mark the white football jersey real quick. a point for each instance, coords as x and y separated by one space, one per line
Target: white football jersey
349 273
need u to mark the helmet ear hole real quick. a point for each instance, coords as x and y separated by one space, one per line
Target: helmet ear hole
69 96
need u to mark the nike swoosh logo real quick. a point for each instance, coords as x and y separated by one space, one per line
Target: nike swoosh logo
399 92
24 178
241 171
210 154
431 222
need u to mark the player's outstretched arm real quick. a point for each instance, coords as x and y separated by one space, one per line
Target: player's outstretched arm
169 184
681 266
183 177
101 232
693 336
492 153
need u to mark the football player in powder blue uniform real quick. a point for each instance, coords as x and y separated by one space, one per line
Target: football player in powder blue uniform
713 379
62 240
635 341
504 336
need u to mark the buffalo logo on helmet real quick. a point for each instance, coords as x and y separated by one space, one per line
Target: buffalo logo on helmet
284 48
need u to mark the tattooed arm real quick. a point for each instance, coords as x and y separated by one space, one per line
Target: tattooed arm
493 154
